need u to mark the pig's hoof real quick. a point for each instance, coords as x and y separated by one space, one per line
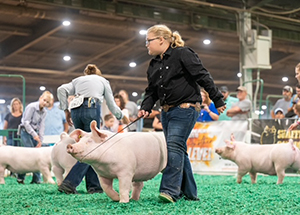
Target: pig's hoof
166 198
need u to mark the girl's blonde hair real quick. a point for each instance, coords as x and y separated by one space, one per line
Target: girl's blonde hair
163 31
298 66
11 105
208 100
92 69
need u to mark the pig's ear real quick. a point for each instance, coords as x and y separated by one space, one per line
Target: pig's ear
96 132
230 144
63 135
77 134
232 137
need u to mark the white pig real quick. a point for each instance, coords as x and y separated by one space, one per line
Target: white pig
132 157
62 162
271 159
24 160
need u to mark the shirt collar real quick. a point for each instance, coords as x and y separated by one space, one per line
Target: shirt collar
167 52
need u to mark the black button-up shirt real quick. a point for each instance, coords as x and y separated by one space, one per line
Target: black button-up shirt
176 78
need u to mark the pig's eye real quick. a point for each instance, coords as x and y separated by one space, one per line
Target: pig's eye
79 136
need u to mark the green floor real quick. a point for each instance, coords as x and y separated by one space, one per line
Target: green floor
218 195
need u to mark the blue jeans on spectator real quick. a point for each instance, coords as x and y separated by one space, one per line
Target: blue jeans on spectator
178 179
82 117
28 141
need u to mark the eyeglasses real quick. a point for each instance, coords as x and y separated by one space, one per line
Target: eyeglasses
149 40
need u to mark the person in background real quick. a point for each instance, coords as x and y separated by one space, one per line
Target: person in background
32 128
157 126
297 123
208 111
174 76
90 90
55 122
295 98
229 100
241 109
109 120
148 122
279 113
297 72
132 110
120 124
284 102
12 120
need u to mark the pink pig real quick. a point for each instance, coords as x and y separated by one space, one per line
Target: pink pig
268 159
62 162
132 157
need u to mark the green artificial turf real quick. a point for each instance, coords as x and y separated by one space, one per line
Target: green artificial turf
218 195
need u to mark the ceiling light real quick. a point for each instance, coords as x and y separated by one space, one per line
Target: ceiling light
134 94
264 107
206 41
67 58
143 32
2 101
239 75
285 79
66 23
42 88
132 64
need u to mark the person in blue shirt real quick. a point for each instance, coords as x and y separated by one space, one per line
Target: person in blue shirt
55 122
208 111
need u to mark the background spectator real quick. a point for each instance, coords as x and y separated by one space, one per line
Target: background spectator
241 109
283 103
109 120
55 122
229 100
279 113
208 111
293 102
12 120
132 110
32 128
120 124
157 126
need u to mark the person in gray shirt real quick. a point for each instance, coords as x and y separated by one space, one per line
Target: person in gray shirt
241 109
89 90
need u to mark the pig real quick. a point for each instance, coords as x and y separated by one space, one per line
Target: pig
62 162
268 159
132 157
24 160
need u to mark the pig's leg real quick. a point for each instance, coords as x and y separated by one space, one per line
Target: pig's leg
136 191
280 174
2 170
107 186
253 177
240 175
47 178
124 187
58 172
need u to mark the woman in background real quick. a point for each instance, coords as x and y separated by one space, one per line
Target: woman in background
208 111
12 120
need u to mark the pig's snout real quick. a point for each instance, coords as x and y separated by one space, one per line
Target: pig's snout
218 151
70 148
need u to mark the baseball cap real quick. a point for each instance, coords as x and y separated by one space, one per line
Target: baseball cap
241 88
224 89
288 89
278 109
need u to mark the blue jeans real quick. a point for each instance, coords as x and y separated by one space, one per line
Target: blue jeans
11 142
28 141
178 179
82 117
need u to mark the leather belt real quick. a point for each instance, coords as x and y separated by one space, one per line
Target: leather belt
183 105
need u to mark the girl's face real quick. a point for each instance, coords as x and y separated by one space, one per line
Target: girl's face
16 106
153 44
297 74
